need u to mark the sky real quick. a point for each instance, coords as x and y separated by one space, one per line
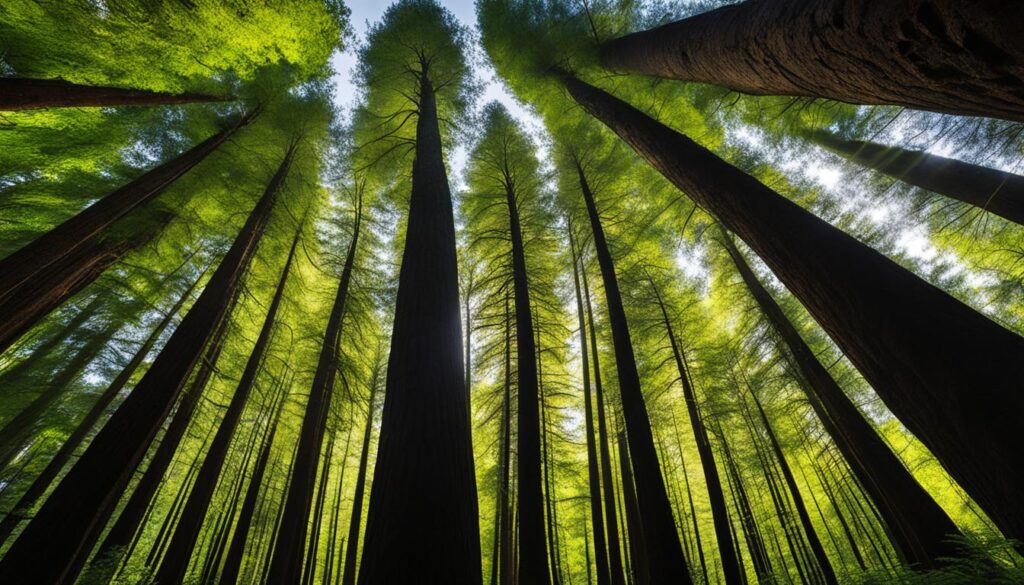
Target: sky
366 12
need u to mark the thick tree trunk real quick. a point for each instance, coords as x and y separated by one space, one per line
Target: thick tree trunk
919 527
423 505
533 557
287 554
615 564
42 481
906 336
945 56
54 546
999 192
18 93
593 471
354 525
176 560
719 511
665 555
23 270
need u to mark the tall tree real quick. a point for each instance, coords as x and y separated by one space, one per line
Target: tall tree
423 505
903 334
68 524
17 93
939 55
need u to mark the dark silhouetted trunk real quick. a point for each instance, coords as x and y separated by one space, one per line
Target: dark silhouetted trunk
351 560
18 93
287 553
504 537
176 560
999 192
550 507
423 505
689 499
719 511
26 271
615 565
593 471
904 335
946 56
920 529
57 542
637 546
42 481
309 570
755 543
15 371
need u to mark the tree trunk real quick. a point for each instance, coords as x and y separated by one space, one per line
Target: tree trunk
57 542
18 93
349 576
42 482
904 335
920 528
614 551
999 192
719 511
550 507
506 529
755 544
309 570
18 368
176 560
947 56
637 546
24 270
693 511
593 472
423 506
287 554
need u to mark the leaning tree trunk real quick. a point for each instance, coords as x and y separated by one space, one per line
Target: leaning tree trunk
351 560
18 93
719 510
423 505
42 481
55 545
615 563
999 192
21 271
946 56
906 336
920 528
533 558
666 561
593 472
175 561
287 554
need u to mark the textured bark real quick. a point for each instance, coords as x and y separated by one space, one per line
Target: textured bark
57 542
946 56
593 471
22 270
354 525
906 336
176 560
719 511
423 505
615 565
18 93
42 481
992 190
287 553
919 527
666 562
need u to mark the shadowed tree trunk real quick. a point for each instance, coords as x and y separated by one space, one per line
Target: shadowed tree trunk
351 560
719 511
945 56
615 565
54 546
42 481
55 336
176 560
23 271
689 499
665 555
637 546
593 472
906 336
287 553
999 192
423 505
919 527
752 534
506 548
17 93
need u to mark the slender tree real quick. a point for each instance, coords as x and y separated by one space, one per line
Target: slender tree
939 55
68 524
17 93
